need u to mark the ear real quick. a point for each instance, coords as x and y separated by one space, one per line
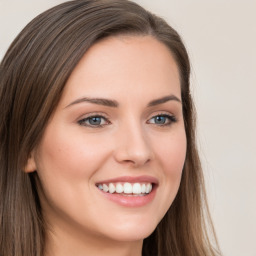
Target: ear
31 164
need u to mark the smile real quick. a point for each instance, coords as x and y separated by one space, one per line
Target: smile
129 191
126 189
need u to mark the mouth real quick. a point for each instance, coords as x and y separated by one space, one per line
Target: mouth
127 188
129 191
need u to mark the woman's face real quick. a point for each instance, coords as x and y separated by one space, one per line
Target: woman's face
118 126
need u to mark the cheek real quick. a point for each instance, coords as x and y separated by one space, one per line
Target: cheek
172 153
70 156
66 166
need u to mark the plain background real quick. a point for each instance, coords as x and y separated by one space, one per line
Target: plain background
220 36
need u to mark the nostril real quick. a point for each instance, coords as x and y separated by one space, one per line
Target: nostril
133 148
133 158
136 162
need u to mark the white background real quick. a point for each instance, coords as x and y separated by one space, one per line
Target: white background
220 36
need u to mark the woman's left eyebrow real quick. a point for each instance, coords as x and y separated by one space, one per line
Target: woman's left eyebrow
163 100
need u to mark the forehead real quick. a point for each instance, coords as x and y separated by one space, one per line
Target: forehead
123 64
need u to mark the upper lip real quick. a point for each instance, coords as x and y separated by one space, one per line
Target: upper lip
131 179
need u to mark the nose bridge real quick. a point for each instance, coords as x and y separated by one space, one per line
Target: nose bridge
133 144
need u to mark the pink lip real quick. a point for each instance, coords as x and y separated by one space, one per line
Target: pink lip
131 201
130 179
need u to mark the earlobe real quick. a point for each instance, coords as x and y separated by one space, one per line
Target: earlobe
31 164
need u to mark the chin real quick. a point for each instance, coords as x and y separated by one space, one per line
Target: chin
129 236
131 231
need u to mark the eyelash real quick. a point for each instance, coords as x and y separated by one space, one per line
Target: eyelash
83 121
171 119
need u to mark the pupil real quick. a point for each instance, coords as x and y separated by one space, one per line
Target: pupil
95 120
160 119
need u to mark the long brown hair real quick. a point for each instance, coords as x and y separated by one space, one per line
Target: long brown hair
33 74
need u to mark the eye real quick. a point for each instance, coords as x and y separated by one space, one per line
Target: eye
94 121
162 120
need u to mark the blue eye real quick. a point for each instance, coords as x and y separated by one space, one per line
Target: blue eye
162 120
93 121
96 120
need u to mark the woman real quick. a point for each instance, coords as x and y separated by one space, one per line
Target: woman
98 153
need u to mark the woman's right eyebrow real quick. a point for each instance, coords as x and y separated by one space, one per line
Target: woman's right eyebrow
98 101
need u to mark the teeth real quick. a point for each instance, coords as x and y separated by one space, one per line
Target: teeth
105 188
119 188
126 188
148 188
136 188
111 188
143 188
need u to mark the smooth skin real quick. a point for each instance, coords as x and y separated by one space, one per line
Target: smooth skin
87 141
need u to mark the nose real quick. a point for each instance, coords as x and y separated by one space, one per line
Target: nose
133 146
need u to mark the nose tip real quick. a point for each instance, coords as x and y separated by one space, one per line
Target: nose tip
135 159
133 149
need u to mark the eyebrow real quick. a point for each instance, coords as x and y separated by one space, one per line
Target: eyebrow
114 103
98 101
163 100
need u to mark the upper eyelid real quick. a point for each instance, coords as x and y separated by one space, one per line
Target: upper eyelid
165 115
93 114
82 121
159 113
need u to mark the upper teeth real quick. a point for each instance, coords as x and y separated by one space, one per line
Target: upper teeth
126 188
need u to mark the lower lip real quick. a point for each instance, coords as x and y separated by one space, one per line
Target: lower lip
131 201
